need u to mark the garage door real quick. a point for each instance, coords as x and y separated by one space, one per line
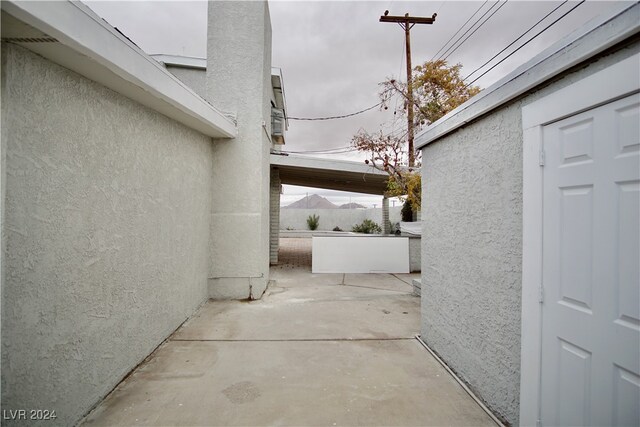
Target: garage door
590 359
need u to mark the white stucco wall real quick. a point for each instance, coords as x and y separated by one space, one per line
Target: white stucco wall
239 83
472 246
107 215
194 78
296 219
471 255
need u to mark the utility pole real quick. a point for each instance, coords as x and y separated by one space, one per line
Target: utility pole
407 22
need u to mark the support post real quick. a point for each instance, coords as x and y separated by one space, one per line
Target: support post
274 222
386 229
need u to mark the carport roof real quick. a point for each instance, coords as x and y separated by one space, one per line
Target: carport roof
329 174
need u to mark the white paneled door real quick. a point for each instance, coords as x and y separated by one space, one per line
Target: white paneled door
590 358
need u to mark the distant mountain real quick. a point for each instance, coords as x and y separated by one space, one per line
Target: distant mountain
352 205
312 202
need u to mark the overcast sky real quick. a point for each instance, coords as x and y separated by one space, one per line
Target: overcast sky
333 54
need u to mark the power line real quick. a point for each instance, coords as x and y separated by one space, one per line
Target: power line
321 151
513 42
338 150
455 43
477 28
468 29
335 117
459 29
316 154
527 42
348 148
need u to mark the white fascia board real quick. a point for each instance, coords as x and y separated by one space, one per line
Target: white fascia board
616 81
323 164
181 61
584 43
91 47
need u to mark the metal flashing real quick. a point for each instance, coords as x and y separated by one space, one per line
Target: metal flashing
181 61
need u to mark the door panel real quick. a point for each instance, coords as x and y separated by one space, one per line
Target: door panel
591 277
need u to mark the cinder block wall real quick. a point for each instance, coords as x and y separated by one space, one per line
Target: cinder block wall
106 229
274 216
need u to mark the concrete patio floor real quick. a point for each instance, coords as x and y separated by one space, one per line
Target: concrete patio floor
317 350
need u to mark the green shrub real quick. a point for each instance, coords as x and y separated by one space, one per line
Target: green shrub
336 228
313 221
407 212
394 228
367 227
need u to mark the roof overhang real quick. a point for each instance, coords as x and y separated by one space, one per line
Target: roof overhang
73 36
593 38
330 174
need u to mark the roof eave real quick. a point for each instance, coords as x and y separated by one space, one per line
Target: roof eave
89 46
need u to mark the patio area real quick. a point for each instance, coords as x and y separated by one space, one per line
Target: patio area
317 349
294 252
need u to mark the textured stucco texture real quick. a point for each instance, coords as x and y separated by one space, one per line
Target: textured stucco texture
472 245
194 78
107 234
472 255
239 83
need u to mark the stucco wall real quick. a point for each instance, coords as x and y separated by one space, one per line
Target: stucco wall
415 255
472 245
296 219
107 234
472 239
194 78
240 84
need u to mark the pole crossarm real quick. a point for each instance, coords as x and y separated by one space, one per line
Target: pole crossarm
406 19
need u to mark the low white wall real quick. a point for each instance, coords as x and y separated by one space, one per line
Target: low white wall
107 213
363 253
296 219
415 247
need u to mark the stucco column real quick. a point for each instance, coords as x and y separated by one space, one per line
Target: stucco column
239 84
385 216
274 225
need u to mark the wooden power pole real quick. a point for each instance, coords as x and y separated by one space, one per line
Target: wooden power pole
407 22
